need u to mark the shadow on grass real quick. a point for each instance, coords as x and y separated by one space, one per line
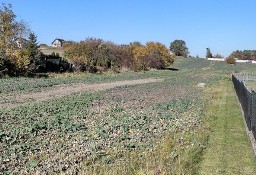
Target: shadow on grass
172 69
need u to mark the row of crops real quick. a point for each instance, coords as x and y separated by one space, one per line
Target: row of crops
74 133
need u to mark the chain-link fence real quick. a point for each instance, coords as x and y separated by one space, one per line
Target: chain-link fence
247 98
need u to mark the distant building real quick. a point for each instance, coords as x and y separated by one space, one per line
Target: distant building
20 42
57 42
243 61
216 59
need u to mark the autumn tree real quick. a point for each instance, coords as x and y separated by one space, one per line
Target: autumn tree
20 60
124 56
7 33
179 48
231 59
75 53
105 57
245 54
12 56
83 54
159 55
96 53
139 52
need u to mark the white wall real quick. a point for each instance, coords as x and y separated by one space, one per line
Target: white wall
216 59
243 61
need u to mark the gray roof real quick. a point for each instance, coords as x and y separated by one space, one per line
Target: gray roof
61 40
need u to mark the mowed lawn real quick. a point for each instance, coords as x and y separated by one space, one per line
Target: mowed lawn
228 150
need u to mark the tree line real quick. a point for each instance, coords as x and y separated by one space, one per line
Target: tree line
92 53
241 55
244 55
20 55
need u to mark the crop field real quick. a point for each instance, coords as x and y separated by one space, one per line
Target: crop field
154 125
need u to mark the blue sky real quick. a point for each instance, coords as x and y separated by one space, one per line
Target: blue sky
221 25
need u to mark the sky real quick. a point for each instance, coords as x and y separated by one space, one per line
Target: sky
221 25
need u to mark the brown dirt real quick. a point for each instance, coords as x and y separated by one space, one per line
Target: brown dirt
64 90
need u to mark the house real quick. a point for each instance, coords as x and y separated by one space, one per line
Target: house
57 42
21 43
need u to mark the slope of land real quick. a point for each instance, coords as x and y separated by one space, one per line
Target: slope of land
48 50
112 123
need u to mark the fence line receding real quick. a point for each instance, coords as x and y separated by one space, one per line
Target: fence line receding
247 98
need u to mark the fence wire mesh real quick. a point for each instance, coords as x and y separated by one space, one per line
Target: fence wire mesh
247 98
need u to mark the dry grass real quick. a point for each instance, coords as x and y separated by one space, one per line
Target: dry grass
169 157
49 50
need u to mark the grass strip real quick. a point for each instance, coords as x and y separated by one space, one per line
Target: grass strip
228 150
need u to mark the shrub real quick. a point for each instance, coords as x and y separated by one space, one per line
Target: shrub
231 60
91 54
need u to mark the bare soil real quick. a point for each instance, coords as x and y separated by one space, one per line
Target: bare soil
65 90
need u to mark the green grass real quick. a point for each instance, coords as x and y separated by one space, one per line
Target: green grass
250 85
228 150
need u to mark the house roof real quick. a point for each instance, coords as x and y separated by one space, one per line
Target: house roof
21 40
61 40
